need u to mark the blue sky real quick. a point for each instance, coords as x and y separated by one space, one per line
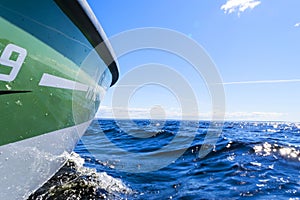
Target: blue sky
255 46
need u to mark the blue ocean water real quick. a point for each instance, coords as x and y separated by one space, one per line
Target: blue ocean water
252 160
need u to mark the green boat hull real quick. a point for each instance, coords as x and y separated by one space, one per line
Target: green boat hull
51 84
32 109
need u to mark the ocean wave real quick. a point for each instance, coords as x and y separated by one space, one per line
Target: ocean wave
74 181
258 160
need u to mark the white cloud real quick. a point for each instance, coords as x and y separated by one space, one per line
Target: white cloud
297 24
239 6
263 81
145 113
174 113
122 113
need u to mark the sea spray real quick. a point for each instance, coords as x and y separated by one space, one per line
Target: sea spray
74 181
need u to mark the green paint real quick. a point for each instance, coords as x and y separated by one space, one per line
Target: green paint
45 109
5 69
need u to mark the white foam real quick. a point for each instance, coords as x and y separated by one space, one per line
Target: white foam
99 179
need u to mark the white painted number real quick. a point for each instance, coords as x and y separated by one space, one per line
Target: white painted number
16 64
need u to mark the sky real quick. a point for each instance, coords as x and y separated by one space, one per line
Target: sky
254 44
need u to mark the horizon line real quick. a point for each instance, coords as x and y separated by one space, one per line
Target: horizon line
225 120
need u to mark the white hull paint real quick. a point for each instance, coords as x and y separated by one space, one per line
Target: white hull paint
26 165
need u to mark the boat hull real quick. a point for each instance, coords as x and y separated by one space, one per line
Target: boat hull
26 165
52 80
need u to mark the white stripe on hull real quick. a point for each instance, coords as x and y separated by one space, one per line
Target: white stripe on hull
49 80
26 165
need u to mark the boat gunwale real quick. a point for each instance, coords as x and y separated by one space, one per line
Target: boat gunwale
83 17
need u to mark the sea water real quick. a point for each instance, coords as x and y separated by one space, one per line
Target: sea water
251 160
